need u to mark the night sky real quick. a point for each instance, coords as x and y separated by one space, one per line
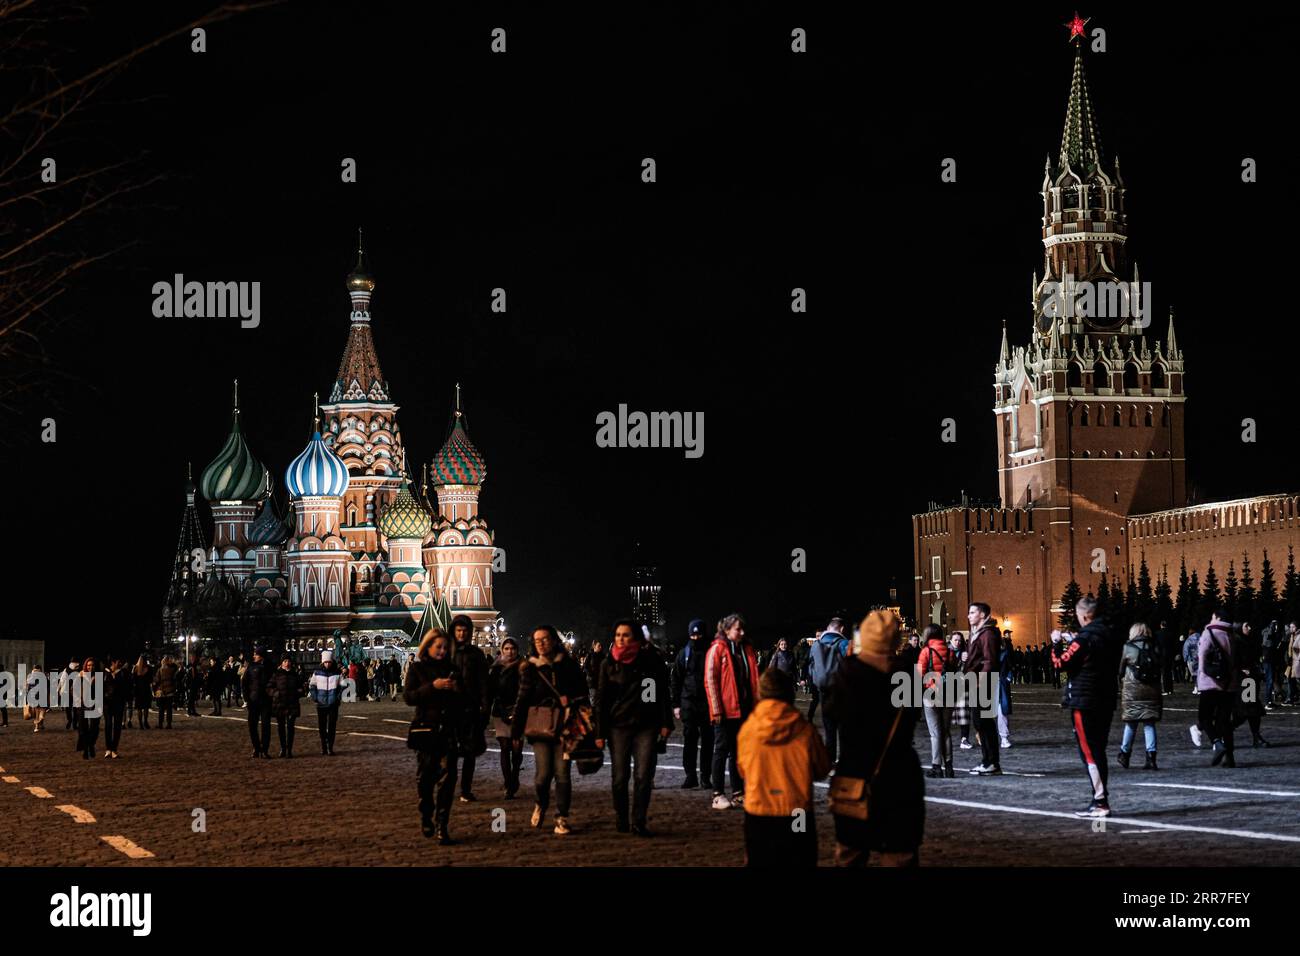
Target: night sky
775 170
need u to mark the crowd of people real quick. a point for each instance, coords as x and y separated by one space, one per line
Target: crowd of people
744 741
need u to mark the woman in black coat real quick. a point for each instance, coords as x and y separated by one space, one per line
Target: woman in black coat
503 694
286 692
860 703
142 690
433 689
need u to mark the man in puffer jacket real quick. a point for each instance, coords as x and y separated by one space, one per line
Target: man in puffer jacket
633 710
326 688
258 697
1090 660
780 755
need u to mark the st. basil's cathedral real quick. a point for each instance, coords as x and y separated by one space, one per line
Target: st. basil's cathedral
358 552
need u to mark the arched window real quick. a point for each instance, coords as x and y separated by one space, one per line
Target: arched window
1074 376
1131 380
1083 416
1158 376
1100 376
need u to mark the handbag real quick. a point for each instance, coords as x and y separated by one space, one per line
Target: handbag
851 796
543 721
422 735
27 711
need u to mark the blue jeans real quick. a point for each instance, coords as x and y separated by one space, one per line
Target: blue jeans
551 765
627 744
1130 731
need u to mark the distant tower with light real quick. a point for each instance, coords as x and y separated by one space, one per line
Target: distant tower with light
647 603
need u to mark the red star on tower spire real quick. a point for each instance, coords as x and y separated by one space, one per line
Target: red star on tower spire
1077 24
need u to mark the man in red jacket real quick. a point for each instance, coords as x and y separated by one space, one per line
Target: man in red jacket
983 652
731 686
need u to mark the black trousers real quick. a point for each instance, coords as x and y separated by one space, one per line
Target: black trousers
284 727
216 704
778 843
816 696
724 756
87 733
327 722
113 720
697 734
435 770
511 761
989 740
142 711
1214 715
466 771
259 725
165 705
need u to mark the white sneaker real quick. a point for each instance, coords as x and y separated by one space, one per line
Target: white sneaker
537 816
1006 743
1196 735
965 744
975 771
561 826
720 802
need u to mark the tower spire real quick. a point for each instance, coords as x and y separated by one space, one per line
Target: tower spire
1004 356
315 420
1172 344
458 411
236 398
1080 144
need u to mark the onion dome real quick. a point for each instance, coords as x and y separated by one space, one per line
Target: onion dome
317 471
268 529
235 475
459 462
360 279
405 517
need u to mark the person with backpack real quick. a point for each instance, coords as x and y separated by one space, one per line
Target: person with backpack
823 659
691 707
1142 669
933 660
1218 682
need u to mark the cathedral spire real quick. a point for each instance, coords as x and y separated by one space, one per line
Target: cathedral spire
1004 356
1080 143
1172 344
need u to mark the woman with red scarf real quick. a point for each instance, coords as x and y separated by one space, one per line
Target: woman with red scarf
634 713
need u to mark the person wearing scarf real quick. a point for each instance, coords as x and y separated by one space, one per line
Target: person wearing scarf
633 712
503 693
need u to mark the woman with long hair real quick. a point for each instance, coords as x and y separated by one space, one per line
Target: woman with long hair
432 688
550 686
87 727
164 689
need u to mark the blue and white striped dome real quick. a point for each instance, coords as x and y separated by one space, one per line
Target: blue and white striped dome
317 471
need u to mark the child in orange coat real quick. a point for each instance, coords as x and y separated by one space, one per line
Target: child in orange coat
780 755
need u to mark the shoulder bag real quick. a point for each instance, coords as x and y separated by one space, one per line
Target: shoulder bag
851 796
543 722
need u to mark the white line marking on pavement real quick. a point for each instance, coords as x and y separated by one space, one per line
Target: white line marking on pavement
1193 786
390 720
77 814
357 733
1139 831
9 779
242 720
39 792
126 846
1121 821
352 717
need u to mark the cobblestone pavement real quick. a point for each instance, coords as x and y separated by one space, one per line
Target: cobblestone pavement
358 808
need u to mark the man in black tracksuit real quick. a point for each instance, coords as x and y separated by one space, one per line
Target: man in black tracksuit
258 698
1090 660
471 665
691 707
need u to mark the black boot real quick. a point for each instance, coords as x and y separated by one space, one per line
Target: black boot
1260 741
444 838
1151 761
935 772
948 772
426 826
1229 760
1123 758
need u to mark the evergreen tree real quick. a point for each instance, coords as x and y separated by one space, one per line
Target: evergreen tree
1186 602
1246 610
1291 590
1163 605
1144 601
1130 601
1266 599
1208 602
1067 620
1103 598
1229 603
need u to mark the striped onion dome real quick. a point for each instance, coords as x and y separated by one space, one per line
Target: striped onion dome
268 529
405 517
459 462
235 475
317 471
